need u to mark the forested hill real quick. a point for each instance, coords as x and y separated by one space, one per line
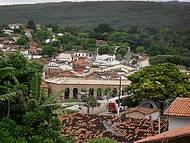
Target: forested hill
120 14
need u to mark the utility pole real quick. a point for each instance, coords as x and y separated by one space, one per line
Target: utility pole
159 125
119 104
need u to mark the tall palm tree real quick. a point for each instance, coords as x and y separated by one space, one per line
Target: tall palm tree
8 97
9 72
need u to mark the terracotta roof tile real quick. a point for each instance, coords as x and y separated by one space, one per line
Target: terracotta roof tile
142 110
176 133
88 126
179 107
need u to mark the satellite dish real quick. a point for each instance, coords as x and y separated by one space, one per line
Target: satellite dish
110 128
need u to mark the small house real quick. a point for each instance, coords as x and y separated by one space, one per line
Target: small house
142 112
64 57
178 113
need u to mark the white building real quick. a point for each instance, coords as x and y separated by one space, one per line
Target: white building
8 32
80 54
66 67
64 57
106 60
14 26
142 112
60 34
48 41
178 113
28 35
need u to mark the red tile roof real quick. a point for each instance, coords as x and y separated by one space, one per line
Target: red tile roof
143 110
88 126
175 133
179 107
67 74
81 62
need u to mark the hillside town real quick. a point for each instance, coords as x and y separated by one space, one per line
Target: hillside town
95 83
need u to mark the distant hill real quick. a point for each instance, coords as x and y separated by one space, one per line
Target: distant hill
120 14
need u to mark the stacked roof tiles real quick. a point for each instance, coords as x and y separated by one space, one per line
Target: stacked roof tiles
179 107
90 126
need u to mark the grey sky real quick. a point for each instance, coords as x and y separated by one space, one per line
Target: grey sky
8 2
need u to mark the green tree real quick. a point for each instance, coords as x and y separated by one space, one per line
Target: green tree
102 28
31 114
31 24
140 49
88 43
101 31
175 59
118 37
90 102
159 83
105 50
22 41
41 35
49 51
122 50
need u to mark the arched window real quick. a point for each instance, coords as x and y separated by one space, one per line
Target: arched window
75 93
67 93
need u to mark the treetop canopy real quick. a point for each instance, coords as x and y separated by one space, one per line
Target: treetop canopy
159 82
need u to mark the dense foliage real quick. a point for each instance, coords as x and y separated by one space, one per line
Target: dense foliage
25 113
159 83
176 59
120 14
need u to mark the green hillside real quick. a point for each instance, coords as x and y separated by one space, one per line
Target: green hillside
119 14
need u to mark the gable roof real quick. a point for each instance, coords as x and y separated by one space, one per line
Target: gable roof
179 107
175 133
143 110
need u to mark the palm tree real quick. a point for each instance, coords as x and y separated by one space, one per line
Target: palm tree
9 72
91 101
8 97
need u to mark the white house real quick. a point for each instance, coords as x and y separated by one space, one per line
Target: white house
60 34
14 26
142 112
178 113
48 41
80 54
8 32
27 55
65 67
106 60
64 57
28 35
52 64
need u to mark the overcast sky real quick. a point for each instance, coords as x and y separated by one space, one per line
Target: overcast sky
8 2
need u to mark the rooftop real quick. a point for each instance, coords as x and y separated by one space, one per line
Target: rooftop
175 133
75 81
143 110
179 107
125 130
